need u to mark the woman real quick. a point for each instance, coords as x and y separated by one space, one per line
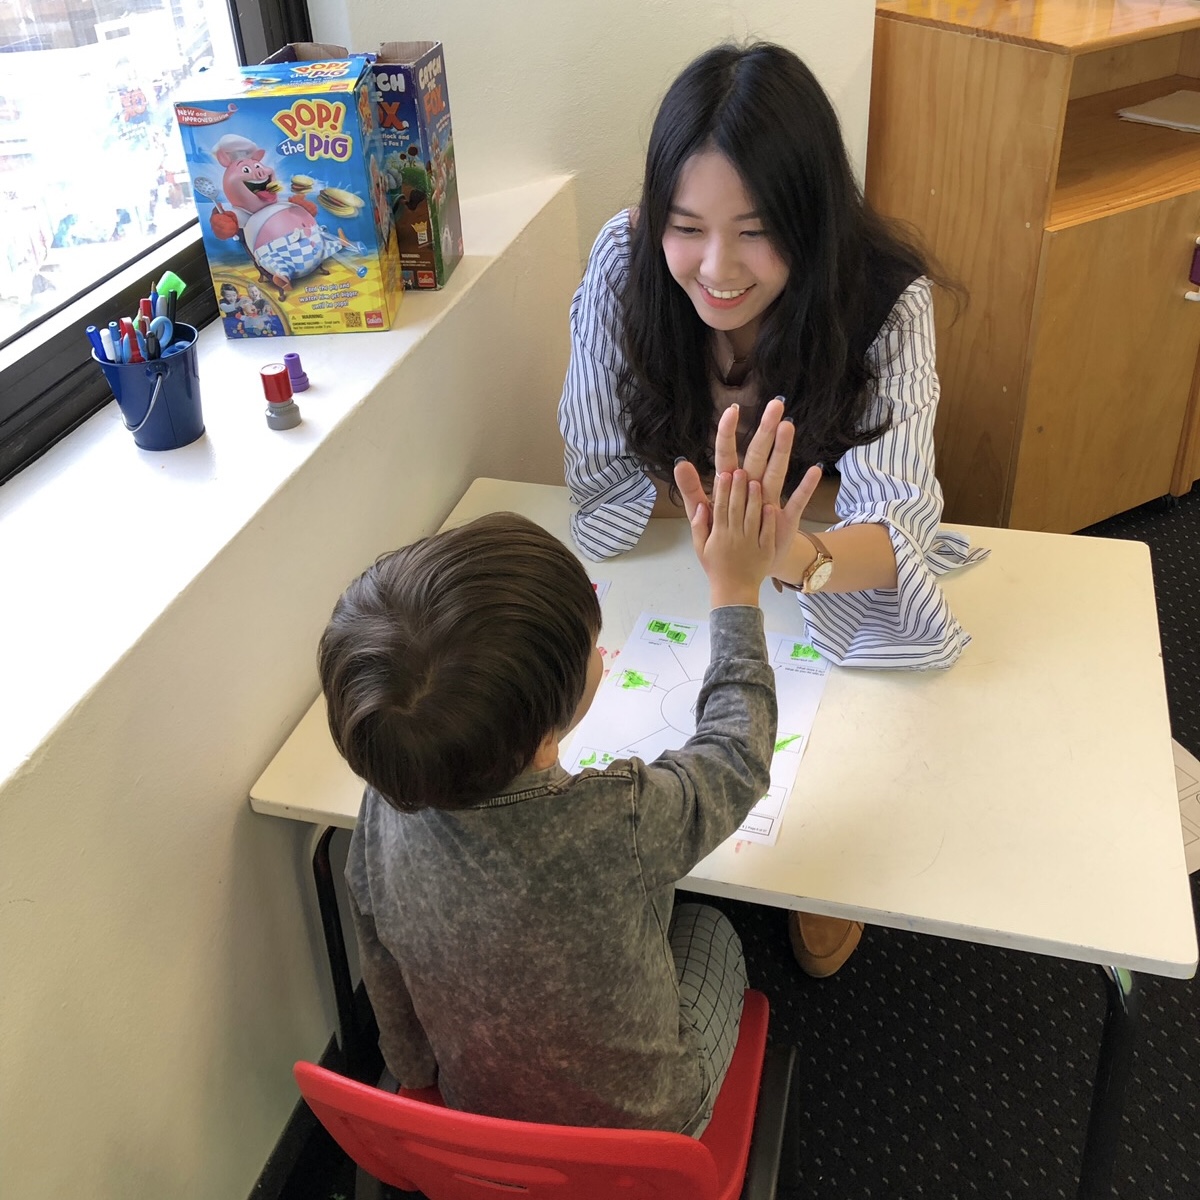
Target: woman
753 268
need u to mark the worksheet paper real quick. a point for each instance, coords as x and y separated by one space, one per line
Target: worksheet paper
1187 777
647 703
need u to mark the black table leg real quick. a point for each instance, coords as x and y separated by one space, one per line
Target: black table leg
1112 1078
354 1048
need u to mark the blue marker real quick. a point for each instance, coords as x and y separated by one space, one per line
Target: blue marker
93 336
154 302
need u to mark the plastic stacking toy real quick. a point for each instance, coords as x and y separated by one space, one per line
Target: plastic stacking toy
296 372
282 411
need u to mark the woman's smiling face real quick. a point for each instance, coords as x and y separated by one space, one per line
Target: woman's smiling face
716 248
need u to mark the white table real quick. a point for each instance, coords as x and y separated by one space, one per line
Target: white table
1025 798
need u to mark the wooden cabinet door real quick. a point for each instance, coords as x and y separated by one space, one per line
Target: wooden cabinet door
1113 350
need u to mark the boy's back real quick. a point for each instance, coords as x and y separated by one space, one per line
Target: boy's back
531 931
516 925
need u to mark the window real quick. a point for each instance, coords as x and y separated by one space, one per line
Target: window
95 199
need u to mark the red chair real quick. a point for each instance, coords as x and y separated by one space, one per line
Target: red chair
412 1142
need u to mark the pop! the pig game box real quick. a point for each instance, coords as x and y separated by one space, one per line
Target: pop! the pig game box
284 159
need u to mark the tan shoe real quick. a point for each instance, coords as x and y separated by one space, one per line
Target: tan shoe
822 944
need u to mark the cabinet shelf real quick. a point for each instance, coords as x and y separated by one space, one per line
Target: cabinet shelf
1108 165
1074 26
1071 382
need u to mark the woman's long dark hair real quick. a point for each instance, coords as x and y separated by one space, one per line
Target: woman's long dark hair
764 110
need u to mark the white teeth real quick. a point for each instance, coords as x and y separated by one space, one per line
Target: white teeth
725 295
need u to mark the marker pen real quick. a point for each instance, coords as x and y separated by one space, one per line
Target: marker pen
93 336
110 349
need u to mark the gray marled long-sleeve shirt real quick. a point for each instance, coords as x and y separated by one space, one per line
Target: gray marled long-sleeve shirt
516 952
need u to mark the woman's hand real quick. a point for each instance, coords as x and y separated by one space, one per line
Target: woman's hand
767 459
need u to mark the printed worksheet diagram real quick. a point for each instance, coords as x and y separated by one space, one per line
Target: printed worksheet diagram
1187 777
648 705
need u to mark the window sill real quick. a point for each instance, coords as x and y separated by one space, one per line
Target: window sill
99 538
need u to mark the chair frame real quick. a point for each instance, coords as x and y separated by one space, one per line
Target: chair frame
773 1148
773 1137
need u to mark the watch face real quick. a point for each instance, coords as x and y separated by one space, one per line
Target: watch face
819 577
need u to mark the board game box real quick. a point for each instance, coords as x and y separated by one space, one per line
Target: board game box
418 159
295 211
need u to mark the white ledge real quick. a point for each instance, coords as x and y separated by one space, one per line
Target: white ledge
98 537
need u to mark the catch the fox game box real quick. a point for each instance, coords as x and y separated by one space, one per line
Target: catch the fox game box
418 159
284 159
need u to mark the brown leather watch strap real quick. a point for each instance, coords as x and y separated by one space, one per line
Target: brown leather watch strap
822 552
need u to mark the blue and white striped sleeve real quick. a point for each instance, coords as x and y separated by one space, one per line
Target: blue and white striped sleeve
891 482
612 494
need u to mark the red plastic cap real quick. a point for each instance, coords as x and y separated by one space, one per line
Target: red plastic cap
277 387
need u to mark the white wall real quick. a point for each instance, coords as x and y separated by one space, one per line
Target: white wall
161 965
538 87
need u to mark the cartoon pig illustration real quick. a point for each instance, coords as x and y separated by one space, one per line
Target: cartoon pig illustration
283 238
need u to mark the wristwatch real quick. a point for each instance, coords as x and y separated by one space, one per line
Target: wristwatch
818 572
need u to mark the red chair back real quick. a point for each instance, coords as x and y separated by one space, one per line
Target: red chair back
412 1144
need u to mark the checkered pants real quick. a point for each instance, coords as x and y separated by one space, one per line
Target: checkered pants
294 255
712 981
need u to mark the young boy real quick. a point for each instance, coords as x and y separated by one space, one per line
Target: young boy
515 922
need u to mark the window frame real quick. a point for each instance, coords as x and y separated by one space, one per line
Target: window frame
49 384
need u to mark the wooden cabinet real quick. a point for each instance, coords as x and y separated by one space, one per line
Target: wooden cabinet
1069 379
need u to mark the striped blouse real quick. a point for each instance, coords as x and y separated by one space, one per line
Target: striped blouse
888 482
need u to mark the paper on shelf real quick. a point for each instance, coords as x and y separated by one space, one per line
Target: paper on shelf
1187 777
1179 110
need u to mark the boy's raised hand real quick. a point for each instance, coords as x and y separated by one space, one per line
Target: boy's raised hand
734 538
767 459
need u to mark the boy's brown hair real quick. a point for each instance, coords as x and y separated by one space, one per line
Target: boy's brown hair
446 664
